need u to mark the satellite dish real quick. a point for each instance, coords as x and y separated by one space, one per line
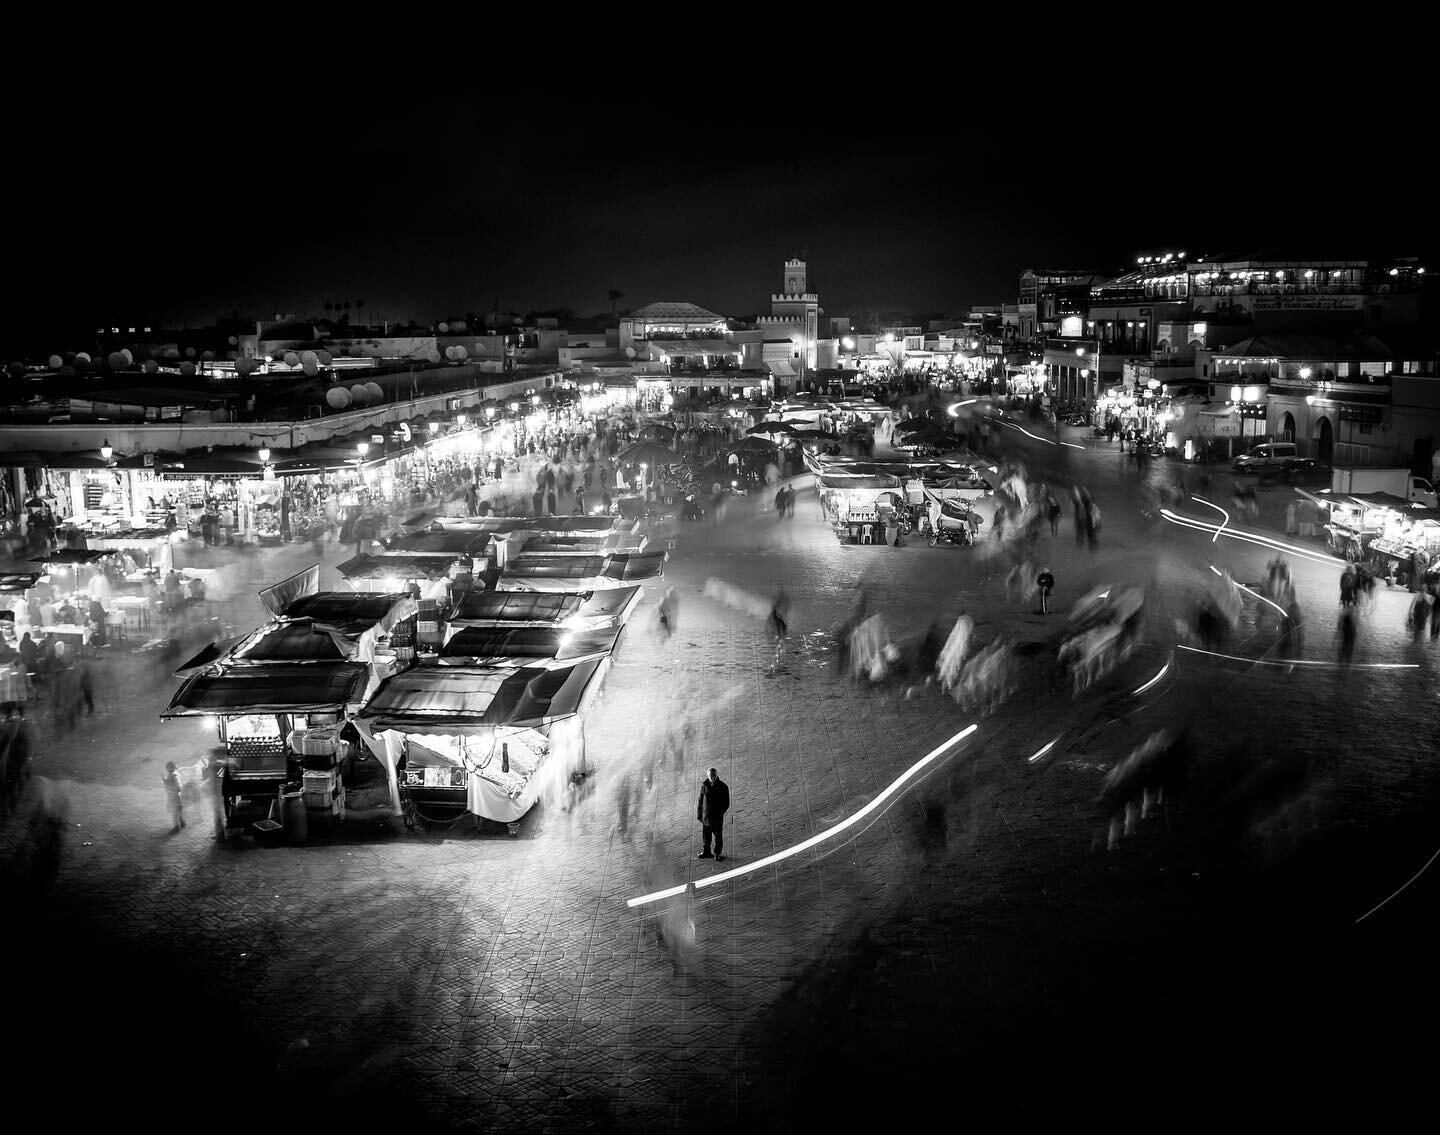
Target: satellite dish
116 360
433 355
450 353
245 367
308 357
56 362
325 357
151 366
129 357
444 327
292 359
311 368
375 391
83 357
460 352
359 395
630 352
17 369
187 369
337 397
208 356
189 352
234 342
172 353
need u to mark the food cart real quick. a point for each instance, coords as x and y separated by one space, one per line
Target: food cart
262 713
1356 521
1406 550
487 741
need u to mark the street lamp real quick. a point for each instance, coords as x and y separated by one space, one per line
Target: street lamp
514 407
107 451
490 412
264 456
362 448
460 420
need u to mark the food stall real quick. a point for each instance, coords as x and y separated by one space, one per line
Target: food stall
429 573
488 741
1407 548
257 710
859 505
546 646
1356 521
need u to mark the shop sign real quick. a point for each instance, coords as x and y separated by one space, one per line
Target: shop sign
1366 415
1305 303
1227 429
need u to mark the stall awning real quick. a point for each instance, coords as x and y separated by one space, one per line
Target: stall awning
612 604
13 582
279 596
314 687
396 567
349 612
533 696
436 699
453 543
71 556
616 565
208 656
557 643
781 368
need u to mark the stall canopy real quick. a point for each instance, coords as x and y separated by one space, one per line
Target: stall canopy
279 596
396 566
616 566
577 608
551 545
436 700
209 655
550 642
533 523
71 556
348 612
453 543
305 687
534 696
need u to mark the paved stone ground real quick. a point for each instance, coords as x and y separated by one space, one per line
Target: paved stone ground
972 949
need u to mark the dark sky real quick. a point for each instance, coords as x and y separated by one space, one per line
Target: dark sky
427 201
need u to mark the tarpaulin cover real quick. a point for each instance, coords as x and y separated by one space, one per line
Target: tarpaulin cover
209 655
405 566
534 696
305 687
610 604
14 581
299 640
535 641
349 612
512 523
436 699
70 556
454 543
279 596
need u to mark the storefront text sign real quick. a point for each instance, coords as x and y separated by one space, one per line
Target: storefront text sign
1306 303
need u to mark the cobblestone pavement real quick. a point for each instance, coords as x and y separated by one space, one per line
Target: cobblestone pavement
972 948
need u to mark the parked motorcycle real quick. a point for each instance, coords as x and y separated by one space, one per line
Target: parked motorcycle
957 536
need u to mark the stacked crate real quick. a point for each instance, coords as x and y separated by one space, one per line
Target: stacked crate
427 626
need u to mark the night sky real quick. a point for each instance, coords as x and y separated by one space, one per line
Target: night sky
177 206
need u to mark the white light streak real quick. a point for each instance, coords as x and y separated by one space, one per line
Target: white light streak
1042 752
736 872
1262 541
1284 613
1303 661
956 405
1218 509
1153 680
1406 884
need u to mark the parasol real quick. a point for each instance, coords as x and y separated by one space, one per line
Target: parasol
774 429
650 452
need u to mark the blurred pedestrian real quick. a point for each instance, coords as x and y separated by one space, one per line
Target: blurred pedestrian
171 782
778 622
212 774
668 612
1045 581
710 810
1345 632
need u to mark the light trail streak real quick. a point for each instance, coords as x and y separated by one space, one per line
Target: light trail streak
1042 752
1151 682
956 405
1218 509
1072 445
736 872
1302 661
1284 613
1262 541
1428 863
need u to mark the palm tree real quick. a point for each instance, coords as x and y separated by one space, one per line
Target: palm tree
359 307
614 296
329 307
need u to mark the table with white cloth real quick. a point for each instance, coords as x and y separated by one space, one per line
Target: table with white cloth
136 607
74 637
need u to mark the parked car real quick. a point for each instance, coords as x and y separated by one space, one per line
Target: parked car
1273 456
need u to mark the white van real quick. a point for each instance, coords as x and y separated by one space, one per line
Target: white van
1269 455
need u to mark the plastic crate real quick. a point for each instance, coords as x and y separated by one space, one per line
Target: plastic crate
267 832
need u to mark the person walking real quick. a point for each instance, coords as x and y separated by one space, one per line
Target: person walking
472 499
710 810
171 781
1053 507
1045 581
1345 632
212 788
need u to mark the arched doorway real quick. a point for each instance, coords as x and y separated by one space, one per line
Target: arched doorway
1324 438
1287 427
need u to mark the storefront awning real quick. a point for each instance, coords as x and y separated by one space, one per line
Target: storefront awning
441 543
396 567
315 687
348 612
684 347
781 368
436 699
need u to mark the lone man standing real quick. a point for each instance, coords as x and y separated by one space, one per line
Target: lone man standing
710 811
171 781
